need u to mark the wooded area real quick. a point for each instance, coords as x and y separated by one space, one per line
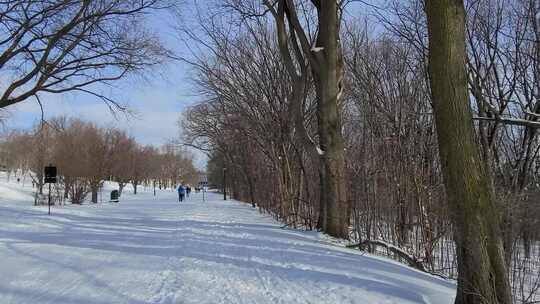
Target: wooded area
421 107
409 127
87 155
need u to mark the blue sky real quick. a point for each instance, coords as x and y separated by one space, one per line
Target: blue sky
156 101
155 104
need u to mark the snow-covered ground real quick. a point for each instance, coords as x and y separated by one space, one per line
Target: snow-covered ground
149 249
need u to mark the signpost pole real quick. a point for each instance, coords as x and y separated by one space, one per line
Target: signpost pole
49 198
224 184
50 177
205 188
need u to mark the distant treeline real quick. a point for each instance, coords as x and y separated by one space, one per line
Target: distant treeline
86 155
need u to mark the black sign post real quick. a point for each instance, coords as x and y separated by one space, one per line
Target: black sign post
50 178
224 184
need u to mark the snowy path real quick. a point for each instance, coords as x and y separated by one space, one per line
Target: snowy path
148 250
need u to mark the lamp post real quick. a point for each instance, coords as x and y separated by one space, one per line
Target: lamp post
224 184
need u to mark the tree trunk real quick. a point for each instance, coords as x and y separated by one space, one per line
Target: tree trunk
95 194
251 190
121 186
326 65
482 276
40 182
333 195
94 188
135 183
67 186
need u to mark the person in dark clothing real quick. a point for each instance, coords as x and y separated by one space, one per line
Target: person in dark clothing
188 191
181 193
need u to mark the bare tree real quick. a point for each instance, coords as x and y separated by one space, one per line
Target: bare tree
61 46
319 51
120 149
482 270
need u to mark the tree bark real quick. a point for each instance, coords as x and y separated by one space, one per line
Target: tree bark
482 276
333 195
40 182
325 61
67 186
95 194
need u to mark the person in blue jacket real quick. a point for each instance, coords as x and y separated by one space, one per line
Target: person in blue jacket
181 192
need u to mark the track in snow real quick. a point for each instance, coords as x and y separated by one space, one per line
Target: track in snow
156 250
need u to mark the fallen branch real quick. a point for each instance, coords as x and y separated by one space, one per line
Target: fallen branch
511 121
411 260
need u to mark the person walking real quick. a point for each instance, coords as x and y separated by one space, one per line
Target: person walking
181 193
188 190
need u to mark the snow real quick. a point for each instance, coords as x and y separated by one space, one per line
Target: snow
317 49
149 249
319 151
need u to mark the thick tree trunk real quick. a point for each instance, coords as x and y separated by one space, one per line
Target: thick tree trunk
95 194
333 195
326 64
94 188
476 217
40 182
252 193
67 186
